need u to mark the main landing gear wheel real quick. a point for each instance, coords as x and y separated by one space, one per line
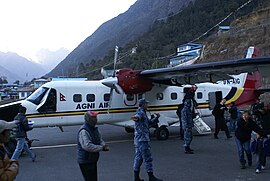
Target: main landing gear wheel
129 130
162 133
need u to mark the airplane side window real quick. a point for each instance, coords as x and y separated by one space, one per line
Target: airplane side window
199 95
77 98
174 96
130 97
90 97
106 97
159 96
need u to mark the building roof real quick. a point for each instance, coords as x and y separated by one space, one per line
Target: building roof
197 45
68 79
25 89
41 80
224 27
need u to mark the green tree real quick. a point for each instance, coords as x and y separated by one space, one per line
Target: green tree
17 82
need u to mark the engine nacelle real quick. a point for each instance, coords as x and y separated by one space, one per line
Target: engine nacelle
131 83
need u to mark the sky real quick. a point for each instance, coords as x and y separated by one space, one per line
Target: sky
26 26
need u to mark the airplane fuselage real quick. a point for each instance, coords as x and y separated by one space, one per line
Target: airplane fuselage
73 98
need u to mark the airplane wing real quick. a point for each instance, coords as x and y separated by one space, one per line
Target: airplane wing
207 72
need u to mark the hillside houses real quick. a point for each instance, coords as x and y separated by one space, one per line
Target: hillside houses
12 92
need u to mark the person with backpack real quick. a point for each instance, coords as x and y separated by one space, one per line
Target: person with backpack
261 149
20 134
187 122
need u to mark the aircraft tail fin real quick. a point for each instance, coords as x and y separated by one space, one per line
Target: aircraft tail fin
254 80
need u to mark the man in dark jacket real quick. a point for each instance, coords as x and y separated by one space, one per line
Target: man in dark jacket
20 133
90 144
220 123
243 135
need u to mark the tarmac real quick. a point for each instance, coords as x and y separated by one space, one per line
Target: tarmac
214 159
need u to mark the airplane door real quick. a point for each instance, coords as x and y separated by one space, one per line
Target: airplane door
214 98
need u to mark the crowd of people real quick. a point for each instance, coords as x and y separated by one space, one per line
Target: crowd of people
251 129
252 125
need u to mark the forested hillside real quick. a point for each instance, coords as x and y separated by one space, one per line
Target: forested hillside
250 30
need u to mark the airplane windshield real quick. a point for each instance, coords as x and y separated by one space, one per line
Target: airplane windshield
37 96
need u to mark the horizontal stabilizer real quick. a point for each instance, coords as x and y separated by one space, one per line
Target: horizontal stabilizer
261 91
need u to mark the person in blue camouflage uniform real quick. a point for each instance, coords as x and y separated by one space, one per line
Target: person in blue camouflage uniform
187 124
141 141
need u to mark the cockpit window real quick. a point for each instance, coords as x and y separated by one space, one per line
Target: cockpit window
37 96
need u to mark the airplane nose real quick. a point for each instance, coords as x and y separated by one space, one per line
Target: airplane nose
110 82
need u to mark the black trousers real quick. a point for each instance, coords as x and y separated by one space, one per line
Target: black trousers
221 125
89 171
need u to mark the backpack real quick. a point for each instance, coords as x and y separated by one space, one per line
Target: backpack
214 112
253 146
266 147
179 109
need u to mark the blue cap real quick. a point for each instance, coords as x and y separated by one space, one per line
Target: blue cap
142 102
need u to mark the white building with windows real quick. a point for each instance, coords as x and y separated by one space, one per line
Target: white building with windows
40 82
24 92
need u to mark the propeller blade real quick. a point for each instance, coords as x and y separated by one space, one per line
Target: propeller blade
110 101
118 89
115 59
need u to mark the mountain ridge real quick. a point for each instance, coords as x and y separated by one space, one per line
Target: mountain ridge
139 18
20 69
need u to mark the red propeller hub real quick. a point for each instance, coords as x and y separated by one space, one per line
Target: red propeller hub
131 83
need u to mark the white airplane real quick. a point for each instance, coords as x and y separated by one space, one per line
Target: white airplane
63 103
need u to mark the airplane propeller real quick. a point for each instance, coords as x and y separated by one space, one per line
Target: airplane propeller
112 82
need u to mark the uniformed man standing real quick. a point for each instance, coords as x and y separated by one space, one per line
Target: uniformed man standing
187 123
141 141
